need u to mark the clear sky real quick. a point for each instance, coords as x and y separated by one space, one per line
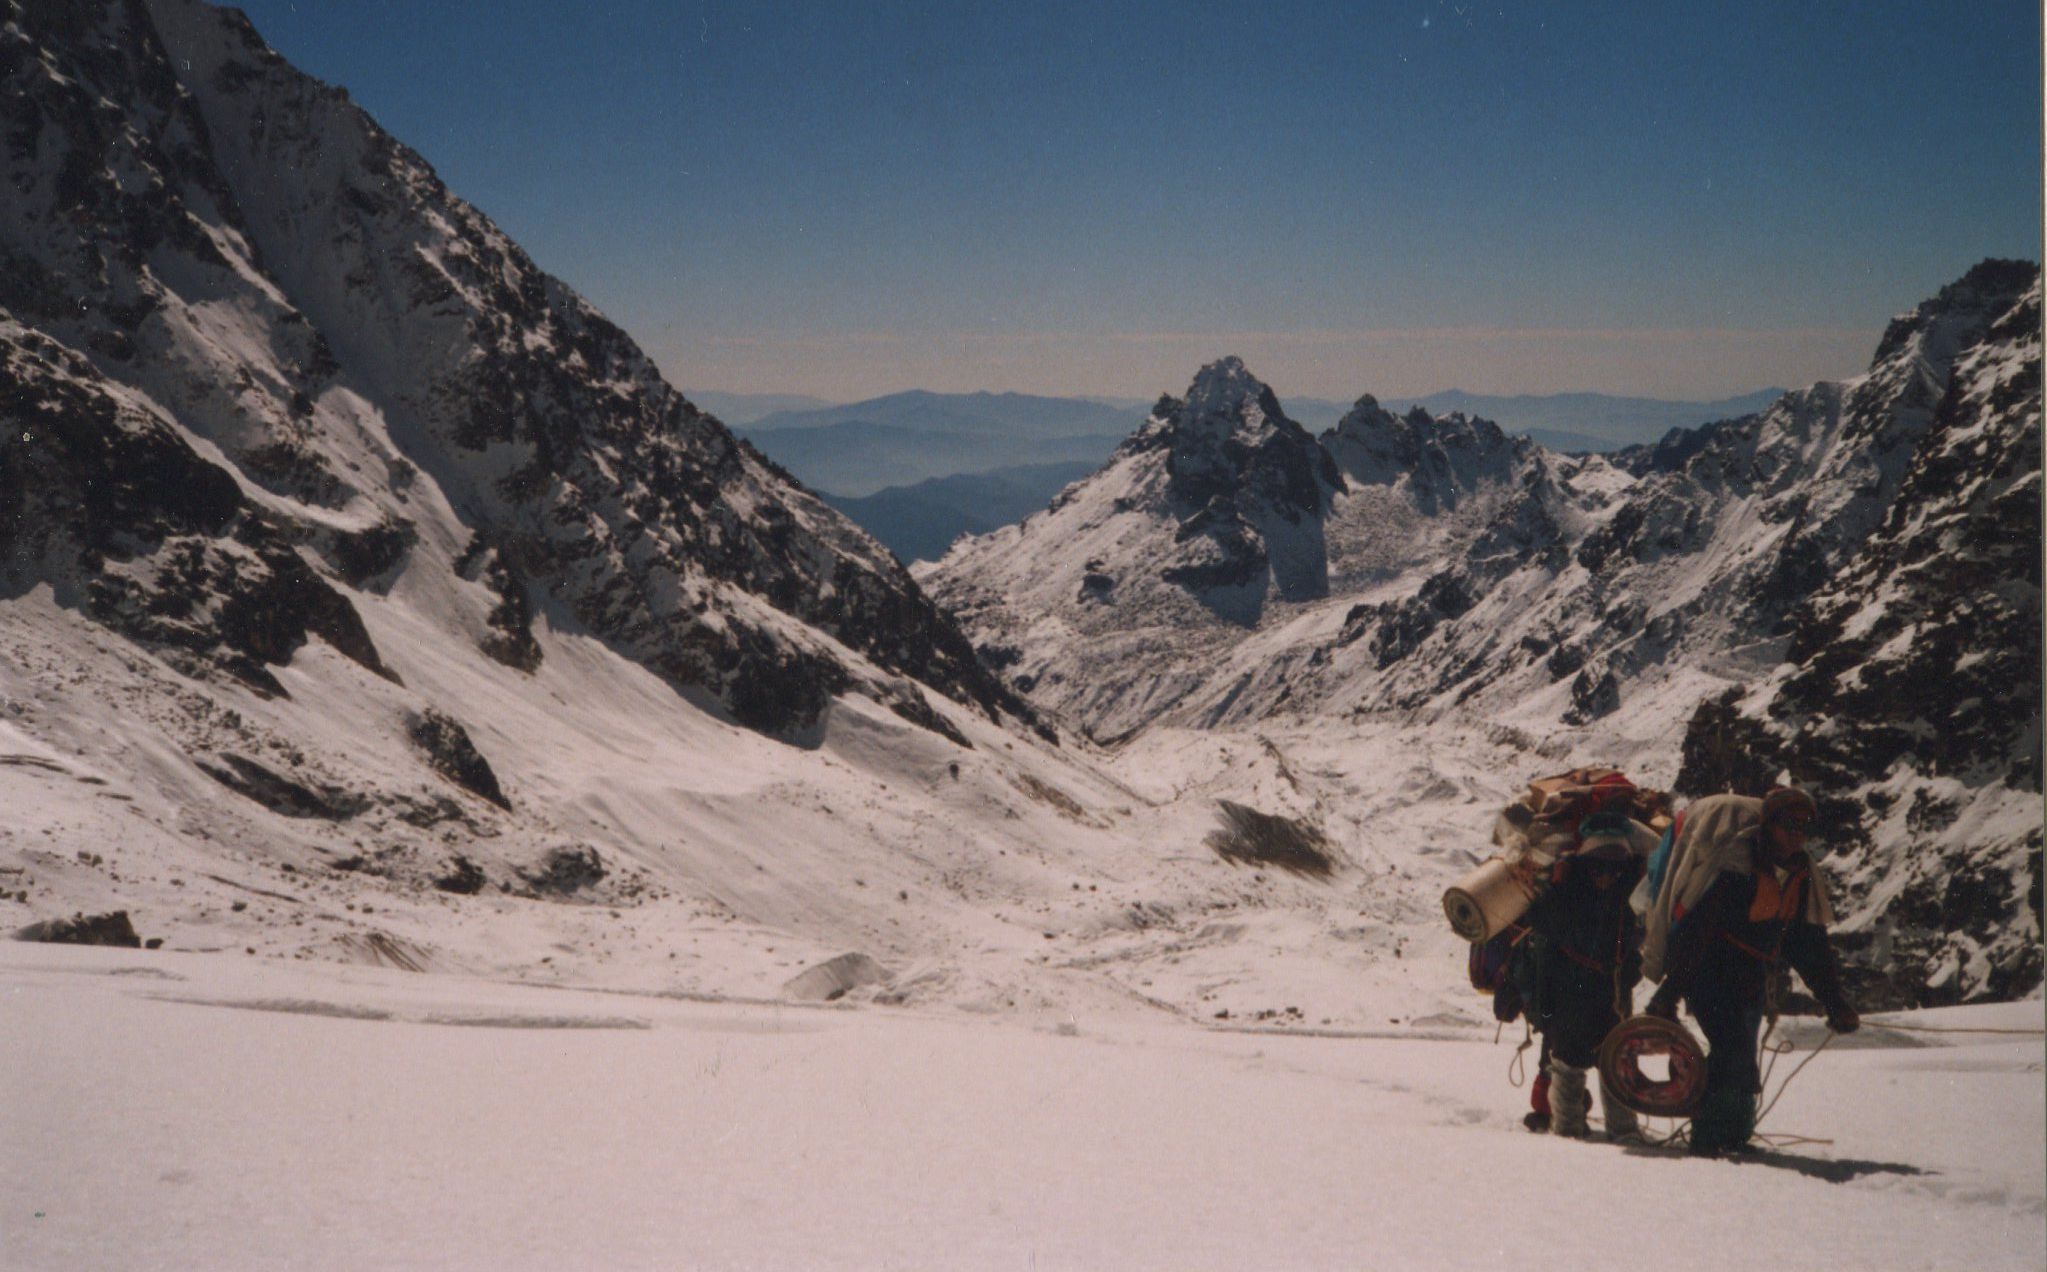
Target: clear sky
1650 196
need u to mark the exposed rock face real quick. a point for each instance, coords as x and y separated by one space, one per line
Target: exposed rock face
1912 703
1248 488
448 748
1442 459
114 508
203 247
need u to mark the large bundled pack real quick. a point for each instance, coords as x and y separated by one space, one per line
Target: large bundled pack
1542 828
1544 821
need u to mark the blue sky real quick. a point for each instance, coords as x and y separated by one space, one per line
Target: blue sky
844 199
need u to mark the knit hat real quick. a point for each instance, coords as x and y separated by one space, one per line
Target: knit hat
1605 835
1789 805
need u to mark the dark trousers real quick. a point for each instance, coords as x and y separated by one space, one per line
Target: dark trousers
1733 1026
1580 1022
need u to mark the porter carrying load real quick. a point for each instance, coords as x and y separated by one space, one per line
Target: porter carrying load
1534 833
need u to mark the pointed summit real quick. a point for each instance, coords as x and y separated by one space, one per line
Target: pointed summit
1230 437
1226 388
1438 457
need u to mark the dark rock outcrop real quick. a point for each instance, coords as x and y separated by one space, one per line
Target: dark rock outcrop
449 751
114 929
284 795
564 871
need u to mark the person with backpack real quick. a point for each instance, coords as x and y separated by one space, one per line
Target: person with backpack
1739 899
1574 974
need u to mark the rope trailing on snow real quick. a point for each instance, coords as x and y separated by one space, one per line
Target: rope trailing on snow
1785 1049
1959 1029
1517 1065
1788 1140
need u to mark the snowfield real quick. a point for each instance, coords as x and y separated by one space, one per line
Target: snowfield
216 1111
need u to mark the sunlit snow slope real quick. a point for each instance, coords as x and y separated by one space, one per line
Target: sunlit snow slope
1843 590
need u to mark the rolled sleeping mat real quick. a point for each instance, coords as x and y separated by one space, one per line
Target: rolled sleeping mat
1677 1094
1489 898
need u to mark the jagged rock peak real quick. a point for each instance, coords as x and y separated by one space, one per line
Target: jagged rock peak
1367 420
1229 437
1365 414
1440 455
1226 389
1987 291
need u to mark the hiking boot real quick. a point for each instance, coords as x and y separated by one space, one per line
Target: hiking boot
1620 1119
1537 1122
1569 1101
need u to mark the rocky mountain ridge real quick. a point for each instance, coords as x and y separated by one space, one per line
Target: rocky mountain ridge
203 233
1848 582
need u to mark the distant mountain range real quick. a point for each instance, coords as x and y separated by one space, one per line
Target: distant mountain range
981 414
1568 422
864 457
890 463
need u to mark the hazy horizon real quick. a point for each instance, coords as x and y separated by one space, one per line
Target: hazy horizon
1067 200
813 401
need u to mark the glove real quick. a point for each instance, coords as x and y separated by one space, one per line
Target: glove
1663 1003
1506 1002
1842 1019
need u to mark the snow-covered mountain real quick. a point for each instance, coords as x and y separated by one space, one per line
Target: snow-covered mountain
365 596
1844 586
1225 561
199 234
346 556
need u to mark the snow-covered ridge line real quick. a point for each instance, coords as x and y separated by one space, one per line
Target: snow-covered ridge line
1853 572
279 277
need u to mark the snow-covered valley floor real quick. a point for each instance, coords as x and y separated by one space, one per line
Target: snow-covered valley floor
209 1110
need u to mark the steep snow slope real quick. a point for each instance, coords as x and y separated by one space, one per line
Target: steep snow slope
224 244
